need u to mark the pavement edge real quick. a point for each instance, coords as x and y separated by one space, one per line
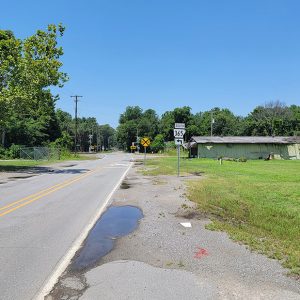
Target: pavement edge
65 260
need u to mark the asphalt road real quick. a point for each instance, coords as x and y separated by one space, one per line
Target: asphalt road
41 217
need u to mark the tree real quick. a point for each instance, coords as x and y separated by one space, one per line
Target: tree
148 124
132 113
178 115
225 122
107 135
295 120
274 118
166 125
28 69
134 123
126 134
65 121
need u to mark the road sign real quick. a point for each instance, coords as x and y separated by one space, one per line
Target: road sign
132 147
178 141
179 125
179 133
145 141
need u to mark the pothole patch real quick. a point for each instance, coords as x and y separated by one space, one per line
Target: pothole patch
125 185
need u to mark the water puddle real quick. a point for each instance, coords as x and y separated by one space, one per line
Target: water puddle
116 222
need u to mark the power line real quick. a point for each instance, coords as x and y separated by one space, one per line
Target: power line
76 101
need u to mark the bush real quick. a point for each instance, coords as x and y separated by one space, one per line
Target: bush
63 142
3 153
13 151
242 159
158 144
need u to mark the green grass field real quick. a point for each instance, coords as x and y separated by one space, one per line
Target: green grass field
256 202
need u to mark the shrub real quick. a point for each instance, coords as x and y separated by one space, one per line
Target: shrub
63 142
242 159
13 151
158 144
3 153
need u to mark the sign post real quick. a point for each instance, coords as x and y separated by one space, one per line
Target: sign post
179 132
178 160
145 141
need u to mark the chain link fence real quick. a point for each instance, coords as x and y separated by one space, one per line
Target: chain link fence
39 153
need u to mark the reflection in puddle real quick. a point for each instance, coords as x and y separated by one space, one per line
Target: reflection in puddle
116 222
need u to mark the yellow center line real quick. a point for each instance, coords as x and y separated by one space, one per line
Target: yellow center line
37 193
43 193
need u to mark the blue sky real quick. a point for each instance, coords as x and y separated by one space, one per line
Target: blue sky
164 54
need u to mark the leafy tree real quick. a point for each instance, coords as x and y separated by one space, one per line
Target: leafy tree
134 123
166 125
126 134
225 122
182 115
148 124
28 69
295 120
65 121
107 136
132 113
274 118
178 115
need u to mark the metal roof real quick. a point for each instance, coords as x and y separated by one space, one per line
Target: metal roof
246 139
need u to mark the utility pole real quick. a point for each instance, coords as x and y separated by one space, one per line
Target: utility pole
137 140
76 101
212 121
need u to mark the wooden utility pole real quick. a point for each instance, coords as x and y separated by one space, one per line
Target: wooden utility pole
76 101
212 121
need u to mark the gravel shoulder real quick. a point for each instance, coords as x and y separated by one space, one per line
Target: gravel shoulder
164 260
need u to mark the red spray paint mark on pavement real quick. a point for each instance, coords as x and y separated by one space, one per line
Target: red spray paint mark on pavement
201 252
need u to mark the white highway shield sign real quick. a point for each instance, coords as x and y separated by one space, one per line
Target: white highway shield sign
179 133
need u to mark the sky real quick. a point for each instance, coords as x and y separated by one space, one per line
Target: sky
163 54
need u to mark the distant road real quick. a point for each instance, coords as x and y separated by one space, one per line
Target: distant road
41 217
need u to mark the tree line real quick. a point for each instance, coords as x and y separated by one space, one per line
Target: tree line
272 119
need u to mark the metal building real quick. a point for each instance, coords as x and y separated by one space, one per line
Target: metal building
250 147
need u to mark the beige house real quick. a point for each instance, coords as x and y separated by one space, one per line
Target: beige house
250 147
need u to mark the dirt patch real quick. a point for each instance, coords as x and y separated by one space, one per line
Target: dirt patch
197 173
191 215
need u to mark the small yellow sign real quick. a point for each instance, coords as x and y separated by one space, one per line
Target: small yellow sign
132 147
145 141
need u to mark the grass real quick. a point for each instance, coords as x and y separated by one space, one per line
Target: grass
16 165
257 202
